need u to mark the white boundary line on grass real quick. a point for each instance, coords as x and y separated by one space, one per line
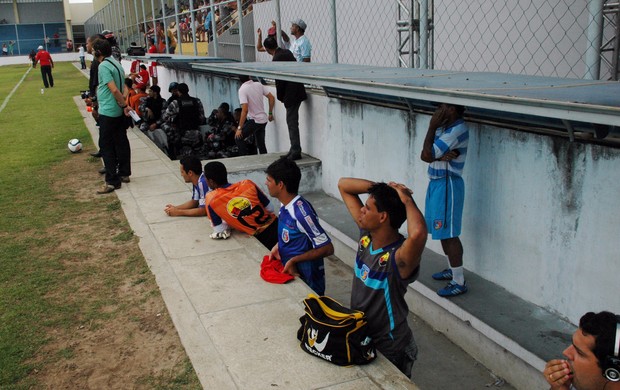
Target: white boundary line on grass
6 100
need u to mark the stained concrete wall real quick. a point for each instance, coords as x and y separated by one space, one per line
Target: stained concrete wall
541 215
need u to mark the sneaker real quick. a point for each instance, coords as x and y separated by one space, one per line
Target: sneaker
107 188
452 289
221 235
446 274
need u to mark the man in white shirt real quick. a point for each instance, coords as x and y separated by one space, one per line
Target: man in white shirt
300 46
253 116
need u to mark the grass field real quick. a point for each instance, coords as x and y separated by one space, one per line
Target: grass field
74 287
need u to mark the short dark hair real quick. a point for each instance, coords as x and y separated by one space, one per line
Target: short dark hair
156 88
183 88
459 109
142 66
216 171
270 43
603 327
191 163
103 47
387 199
286 171
94 37
225 107
243 78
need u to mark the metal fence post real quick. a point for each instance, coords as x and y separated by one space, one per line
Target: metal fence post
155 37
278 23
165 27
334 32
423 34
214 29
594 39
176 19
193 19
240 21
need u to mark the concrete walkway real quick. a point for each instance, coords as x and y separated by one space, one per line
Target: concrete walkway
238 330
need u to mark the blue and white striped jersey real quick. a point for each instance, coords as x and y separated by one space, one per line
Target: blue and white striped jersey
454 137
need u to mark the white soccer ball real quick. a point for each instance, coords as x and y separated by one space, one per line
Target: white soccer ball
75 145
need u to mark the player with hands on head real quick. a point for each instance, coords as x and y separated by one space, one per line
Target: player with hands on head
386 263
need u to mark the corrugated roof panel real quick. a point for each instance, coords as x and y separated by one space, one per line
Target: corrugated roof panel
561 98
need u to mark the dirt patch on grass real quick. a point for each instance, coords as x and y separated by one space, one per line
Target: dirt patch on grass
111 328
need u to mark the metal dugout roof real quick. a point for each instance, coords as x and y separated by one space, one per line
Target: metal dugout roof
514 97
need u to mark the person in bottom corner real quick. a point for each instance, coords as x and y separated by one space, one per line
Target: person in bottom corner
386 263
592 360
445 149
302 242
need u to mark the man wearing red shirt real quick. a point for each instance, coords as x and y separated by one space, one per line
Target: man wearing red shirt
152 47
47 64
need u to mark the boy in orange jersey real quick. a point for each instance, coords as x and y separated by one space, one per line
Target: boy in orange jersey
241 205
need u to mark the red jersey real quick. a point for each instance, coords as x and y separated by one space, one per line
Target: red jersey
44 58
241 205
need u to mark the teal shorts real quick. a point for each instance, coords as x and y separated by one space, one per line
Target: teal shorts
444 207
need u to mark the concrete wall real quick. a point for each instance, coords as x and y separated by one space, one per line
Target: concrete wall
541 215
41 13
80 12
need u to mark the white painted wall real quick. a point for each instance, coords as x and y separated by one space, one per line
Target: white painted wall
541 215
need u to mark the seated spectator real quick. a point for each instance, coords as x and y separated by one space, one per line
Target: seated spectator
302 242
237 114
141 78
128 91
135 100
152 108
152 48
593 358
173 88
191 171
182 119
220 139
241 205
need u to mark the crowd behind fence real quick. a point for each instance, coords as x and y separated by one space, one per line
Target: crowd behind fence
560 38
23 38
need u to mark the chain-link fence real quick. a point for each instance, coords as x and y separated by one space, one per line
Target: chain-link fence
561 38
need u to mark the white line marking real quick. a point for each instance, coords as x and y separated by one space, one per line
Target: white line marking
6 100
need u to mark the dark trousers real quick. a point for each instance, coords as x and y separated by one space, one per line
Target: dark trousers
269 236
292 121
46 74
258 131
114 148
83 62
